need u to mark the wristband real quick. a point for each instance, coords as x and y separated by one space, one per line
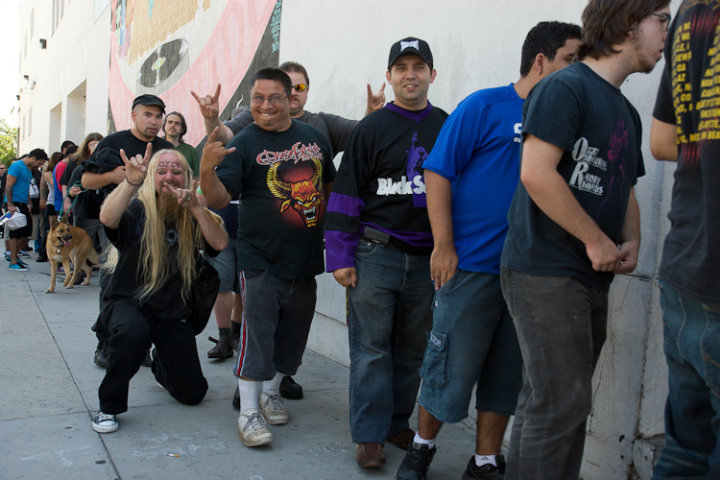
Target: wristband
133 184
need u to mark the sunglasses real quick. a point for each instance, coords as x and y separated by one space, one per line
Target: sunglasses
300 87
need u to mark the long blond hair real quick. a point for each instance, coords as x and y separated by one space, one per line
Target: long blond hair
153 262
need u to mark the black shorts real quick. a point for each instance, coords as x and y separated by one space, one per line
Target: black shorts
26 231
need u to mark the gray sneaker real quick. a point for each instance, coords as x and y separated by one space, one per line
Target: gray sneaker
273 408
253 430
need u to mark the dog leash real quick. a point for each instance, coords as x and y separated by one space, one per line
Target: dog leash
62 211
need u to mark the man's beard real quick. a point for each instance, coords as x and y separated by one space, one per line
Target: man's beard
168 207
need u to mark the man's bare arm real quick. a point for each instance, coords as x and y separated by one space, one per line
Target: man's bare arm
444 259
213 154
117 202
94 181
550 192
663 140
630 245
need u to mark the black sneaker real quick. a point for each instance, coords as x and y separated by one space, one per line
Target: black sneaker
236 398
105 423
486 472
416 462
289 389
101 357
222 349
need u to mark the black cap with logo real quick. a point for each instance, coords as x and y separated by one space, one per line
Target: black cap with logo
410 45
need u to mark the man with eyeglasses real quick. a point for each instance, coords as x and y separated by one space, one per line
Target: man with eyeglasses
685 130
283 170
334 128
574 222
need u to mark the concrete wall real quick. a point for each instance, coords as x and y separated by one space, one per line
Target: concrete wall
344 45
476 44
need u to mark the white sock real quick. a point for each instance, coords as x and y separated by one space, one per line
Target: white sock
273 386
421 441
249 394
481 460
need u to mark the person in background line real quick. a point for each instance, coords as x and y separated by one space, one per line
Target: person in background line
471 175
58 172
85 203
175 128
573 224
17 191
378 246
690 296
47 196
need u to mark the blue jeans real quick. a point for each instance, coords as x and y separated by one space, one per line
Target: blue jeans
561 327
388 317
692 410
472 342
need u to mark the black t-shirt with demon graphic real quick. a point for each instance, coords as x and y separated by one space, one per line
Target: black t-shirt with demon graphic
279 178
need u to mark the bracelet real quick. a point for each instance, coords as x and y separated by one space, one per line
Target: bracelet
133 184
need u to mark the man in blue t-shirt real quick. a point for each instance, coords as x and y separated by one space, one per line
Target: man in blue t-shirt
471 175
16 196
574 222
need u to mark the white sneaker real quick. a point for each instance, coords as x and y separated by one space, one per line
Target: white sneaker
253 430
105 423
273 408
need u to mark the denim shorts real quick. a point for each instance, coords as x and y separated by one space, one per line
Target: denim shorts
225 263
472 342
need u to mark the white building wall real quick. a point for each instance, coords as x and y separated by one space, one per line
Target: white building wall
70 76
344 45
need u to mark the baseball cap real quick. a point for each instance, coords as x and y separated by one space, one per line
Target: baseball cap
150 101
410 45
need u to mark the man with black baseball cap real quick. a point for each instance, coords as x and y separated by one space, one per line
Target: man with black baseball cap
379 242
105 169
410 46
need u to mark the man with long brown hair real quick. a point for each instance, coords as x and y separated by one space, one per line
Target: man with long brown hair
158 237
574 223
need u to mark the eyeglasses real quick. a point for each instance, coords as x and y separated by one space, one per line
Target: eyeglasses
300 87
664 19
273 99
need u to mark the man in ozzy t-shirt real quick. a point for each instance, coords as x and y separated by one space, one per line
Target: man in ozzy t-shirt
283 169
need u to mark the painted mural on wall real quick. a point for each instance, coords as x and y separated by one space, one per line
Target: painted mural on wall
170 47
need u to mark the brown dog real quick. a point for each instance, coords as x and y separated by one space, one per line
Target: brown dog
67 242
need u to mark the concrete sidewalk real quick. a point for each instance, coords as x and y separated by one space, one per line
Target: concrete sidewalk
48 394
